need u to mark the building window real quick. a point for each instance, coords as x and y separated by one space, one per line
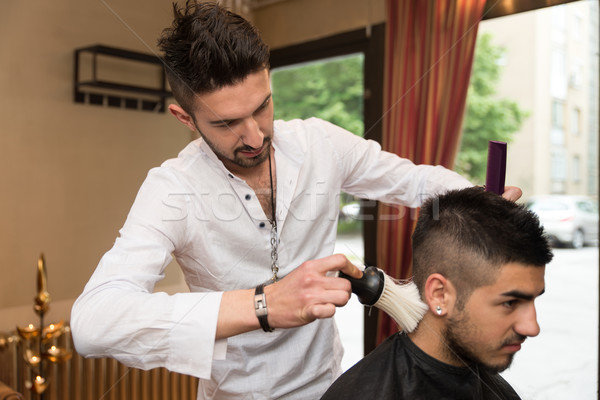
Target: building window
576 76
576 169
558 74
557 135
558 113
559 22
578 24
558 166
576 122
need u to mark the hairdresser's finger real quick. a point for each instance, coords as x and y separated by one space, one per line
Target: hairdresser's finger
321 311
512 193
351 270
335 262
339 262
333 297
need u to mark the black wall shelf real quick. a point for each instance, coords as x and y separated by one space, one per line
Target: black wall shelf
117 94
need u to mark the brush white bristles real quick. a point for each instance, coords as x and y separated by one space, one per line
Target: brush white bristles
402 302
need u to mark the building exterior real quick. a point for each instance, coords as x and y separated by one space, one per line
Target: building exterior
550 69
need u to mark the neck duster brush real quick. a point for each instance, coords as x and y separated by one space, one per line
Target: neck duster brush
402 302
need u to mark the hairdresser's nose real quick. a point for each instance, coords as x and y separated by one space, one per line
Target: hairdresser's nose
527 324
252 136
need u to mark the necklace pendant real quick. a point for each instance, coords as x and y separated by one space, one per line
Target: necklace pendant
275 269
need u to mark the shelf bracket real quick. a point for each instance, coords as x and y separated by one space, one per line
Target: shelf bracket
114 93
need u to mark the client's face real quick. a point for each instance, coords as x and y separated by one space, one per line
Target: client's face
496 319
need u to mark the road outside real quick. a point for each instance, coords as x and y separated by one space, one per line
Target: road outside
559 364
562 362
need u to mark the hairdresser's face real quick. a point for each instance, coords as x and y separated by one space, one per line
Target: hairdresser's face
496 319
236 121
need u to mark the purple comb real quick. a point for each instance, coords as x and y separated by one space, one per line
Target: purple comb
496 167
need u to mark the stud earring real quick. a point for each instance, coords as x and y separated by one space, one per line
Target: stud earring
438 310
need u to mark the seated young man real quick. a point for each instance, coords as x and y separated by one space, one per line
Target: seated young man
479 262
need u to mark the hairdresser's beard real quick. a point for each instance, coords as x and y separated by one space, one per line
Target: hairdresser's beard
237 158
465 344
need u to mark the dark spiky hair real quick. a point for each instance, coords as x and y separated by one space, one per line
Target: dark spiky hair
208 47
467 235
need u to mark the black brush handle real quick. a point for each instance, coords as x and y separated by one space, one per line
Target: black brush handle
496 167
368 289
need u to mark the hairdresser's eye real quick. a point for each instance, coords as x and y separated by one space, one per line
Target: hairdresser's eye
226 124
263 105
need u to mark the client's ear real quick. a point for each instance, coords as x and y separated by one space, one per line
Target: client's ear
440 294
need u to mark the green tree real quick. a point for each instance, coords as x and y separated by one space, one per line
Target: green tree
487 117
330 89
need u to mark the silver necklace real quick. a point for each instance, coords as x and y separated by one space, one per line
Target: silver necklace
273 221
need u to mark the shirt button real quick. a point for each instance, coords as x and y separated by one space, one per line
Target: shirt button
261 225
248 197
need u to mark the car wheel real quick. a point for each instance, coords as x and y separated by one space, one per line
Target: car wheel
578 239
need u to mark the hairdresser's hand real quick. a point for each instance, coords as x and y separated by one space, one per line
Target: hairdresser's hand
307 293
512 193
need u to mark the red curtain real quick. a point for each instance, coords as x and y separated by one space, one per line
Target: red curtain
429 54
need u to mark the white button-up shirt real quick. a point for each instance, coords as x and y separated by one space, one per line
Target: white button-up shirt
192 208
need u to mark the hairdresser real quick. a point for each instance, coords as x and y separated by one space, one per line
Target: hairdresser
249 211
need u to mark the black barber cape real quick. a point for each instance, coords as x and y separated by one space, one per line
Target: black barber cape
398 369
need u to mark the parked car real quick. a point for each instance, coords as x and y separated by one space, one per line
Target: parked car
350 210
567 219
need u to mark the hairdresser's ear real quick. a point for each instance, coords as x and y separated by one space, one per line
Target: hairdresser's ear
182 116
440 294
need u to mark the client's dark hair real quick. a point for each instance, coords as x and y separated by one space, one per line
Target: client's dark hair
467 235
208 47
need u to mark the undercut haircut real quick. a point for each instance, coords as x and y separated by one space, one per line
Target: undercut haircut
468 235
208 47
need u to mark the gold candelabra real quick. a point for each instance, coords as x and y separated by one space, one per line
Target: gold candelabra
39 349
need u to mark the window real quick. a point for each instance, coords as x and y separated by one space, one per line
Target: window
368 51
575 121
556 152
559 22
558 73
557 136
558 112
577 27
576 169
331 89
576 77
558 166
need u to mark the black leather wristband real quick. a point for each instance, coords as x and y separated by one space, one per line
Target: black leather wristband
260 306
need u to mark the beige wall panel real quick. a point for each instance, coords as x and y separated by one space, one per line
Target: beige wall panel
69 172
296 21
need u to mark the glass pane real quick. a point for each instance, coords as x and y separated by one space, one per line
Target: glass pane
544 68
332 89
